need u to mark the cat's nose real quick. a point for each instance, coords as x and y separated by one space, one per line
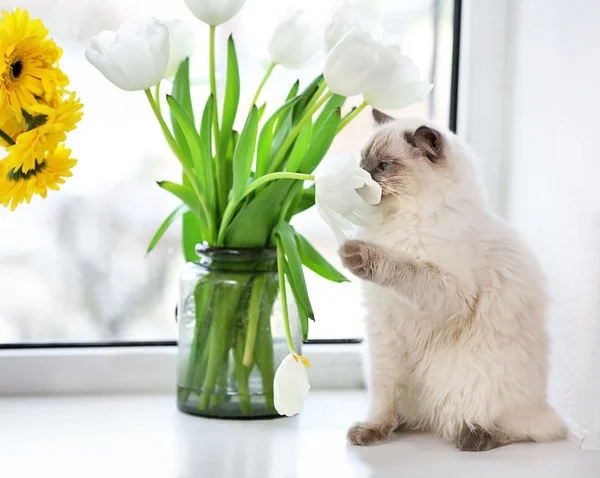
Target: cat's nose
369 170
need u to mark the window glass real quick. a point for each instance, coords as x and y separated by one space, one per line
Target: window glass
73 267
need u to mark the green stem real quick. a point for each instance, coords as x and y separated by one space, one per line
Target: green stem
351 116
157 97
262 83
317 96
230 209
165 129
281 271
221 195
242 375
7 138
217 399
202 296
263 351
280 156
226 300
213 82
253 316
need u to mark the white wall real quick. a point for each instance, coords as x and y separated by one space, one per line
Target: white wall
554 185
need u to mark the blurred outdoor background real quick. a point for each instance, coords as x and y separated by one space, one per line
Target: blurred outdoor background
74 267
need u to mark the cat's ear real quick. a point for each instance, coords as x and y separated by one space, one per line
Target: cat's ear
381 118
429 141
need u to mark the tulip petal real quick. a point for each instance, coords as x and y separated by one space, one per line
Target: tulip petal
181 45
353 64
214 12
290 386
134 57
109 69
398 87
295 41
345 195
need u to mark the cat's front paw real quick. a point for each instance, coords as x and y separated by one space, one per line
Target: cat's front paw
365 434
360 258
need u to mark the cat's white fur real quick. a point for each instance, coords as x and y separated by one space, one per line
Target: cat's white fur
468 349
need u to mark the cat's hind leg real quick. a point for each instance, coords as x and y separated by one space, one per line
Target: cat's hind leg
528 425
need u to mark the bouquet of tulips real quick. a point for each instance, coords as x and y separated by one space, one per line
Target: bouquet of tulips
240 189
36 111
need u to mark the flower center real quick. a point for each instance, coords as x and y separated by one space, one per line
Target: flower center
17 69
19 175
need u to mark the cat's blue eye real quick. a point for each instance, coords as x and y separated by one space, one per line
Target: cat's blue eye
385 165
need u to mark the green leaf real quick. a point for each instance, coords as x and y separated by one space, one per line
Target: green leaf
181 88
265 140
244 154
306 97
299 148
316 262
291 200
181 92
192 231
302 315
178 211
334 103
286 233
187 195
232 97
191 236
253 224
261 111
320 143
282 131
186 125
206 149
307 200
287 237
293 91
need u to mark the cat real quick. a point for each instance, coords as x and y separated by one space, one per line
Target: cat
456 301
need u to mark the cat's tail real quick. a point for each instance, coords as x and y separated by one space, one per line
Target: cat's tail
541 424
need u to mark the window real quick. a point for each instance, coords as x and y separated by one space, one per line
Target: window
73 268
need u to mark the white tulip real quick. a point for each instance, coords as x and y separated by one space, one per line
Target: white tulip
359 65
296 40
397 84
290 385
352 63
346 18
182 45
215 12
346 195
134 57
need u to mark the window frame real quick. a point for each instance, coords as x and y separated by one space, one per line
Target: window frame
149 366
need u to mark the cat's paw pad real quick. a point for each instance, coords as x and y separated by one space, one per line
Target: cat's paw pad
365 434
359 257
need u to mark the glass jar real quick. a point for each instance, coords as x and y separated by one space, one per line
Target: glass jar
231 333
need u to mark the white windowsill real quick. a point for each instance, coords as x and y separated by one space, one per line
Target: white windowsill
144 369
144 435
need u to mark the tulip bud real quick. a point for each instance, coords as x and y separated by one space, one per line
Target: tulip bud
215 12
134 57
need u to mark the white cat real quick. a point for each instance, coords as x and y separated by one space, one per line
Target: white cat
456 301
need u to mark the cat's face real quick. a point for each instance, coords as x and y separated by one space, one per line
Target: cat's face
406 157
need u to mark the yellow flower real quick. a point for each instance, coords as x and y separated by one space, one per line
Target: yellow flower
46 128
17 186
10 126
28 63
